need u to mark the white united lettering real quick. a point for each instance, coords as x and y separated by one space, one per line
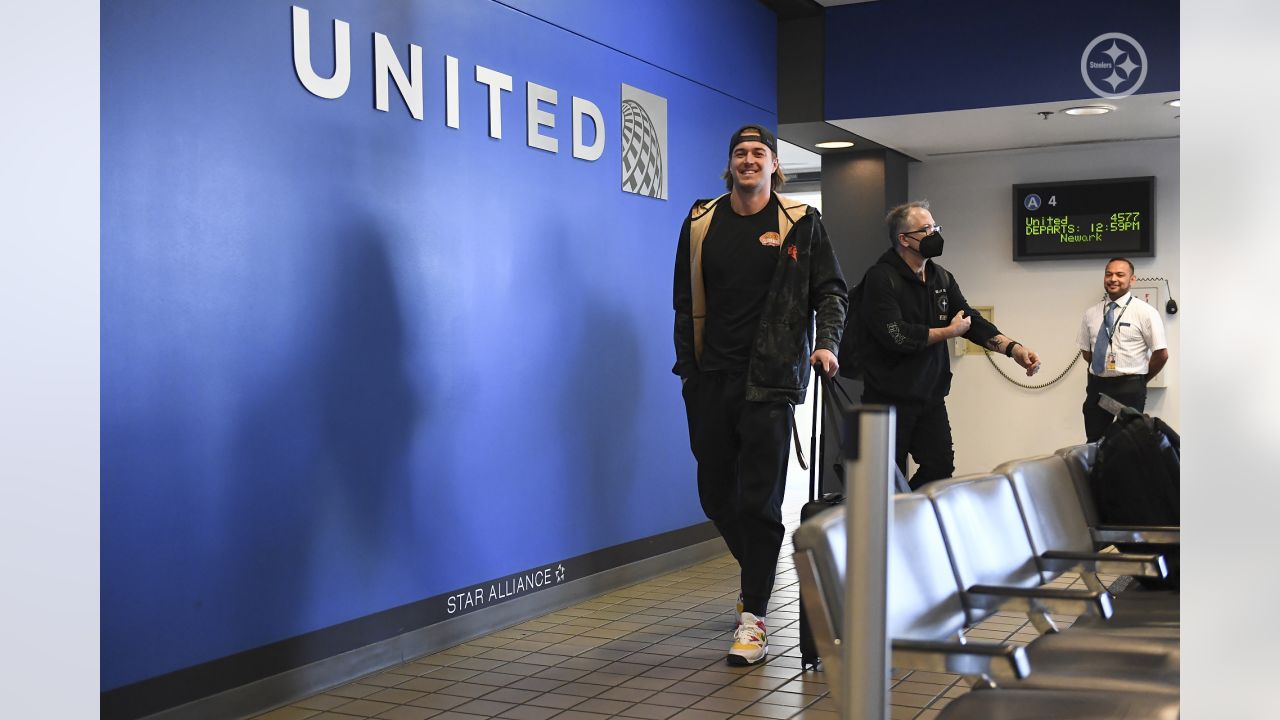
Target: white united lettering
387 65
330 88
498 83
537 116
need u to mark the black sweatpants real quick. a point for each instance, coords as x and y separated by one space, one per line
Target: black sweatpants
1130 390
742 450
923 430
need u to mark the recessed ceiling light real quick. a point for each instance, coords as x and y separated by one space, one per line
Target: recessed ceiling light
1089 110
834 144
1176 102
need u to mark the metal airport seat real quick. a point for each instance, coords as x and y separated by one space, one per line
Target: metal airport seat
923 632
1079 461
1063 540
926 616
996 569
995 565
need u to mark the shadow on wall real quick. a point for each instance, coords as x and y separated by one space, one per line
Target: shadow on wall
323 480
601 391
367 406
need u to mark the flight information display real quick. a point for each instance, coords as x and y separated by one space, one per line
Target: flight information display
1084 219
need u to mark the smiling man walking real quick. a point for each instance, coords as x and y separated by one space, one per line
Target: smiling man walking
753 270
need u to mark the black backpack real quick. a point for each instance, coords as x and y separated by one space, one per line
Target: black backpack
1135 479
856 339
1135 475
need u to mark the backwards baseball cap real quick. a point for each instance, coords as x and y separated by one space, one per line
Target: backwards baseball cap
754 133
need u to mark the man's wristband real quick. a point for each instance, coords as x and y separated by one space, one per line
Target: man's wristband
1008 349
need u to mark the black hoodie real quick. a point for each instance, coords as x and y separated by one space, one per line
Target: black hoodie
897 311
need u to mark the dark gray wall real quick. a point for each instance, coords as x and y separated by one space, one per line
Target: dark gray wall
858 188
801 43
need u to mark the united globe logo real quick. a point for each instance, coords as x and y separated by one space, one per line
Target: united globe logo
642 170
1113 65
644 143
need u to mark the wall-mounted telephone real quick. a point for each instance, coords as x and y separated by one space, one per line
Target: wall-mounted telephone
1170 307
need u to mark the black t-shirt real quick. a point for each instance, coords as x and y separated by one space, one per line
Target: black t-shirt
739 256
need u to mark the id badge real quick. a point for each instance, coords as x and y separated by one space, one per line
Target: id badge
1111 361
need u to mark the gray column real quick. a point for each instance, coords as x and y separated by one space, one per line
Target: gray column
858 188
868 526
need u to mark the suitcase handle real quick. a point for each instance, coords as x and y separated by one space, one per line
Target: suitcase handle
825 384
813 436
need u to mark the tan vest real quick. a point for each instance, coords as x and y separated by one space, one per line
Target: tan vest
699 224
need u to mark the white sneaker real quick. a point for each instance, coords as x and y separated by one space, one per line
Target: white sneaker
750 642
737 613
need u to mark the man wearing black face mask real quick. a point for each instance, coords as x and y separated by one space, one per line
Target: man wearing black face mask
910 306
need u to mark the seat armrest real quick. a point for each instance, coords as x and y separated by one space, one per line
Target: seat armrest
1138 565
972 659
1040 600
1152 534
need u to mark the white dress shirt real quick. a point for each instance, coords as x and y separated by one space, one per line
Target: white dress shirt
1138 333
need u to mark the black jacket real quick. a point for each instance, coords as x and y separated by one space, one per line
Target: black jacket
897 312
807 280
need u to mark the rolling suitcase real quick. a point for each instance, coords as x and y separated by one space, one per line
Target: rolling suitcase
818 501
833 407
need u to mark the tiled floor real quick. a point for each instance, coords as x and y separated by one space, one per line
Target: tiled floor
651 651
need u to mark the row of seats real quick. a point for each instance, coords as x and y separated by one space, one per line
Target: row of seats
965 548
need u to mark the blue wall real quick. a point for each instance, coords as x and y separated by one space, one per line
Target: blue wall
727 45
917 56
350 359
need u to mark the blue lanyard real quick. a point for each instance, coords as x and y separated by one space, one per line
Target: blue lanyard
1111 331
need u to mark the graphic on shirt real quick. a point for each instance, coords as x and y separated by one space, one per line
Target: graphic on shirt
771 239
644 143
1113 65
895 333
